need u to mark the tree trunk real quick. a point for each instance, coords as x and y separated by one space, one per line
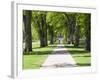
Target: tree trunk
41 36
43 31
27 27
88 32
77 32
71 29
51 37
68 38
46 40
70 34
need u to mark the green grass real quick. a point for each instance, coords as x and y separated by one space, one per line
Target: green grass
33 61
80 55
36 58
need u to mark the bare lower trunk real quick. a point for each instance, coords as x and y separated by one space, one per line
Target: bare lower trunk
88 32
27 27
43 31
76 43
51 37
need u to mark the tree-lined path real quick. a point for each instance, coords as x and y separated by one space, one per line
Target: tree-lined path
44 30
60 57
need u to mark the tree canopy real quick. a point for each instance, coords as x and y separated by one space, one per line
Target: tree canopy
46 26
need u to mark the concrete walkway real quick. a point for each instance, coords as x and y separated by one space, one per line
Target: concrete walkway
59 58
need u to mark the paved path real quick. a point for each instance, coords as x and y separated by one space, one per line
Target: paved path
59 58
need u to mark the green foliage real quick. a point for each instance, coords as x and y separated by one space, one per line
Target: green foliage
56 20
46 26
60 23
35 34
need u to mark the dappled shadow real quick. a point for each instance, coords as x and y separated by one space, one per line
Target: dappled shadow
61 46
77 51
38 53
60 52
36 50
47 52
84 64
36 47
50 46
38 65
72 46
60 65
53 46
82 56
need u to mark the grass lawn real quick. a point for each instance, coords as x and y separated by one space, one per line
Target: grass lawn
80 55
36 58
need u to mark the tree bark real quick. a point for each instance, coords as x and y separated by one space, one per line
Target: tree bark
51 37
27 26
71 32
77 36
71 26
43 31
88 32
46 41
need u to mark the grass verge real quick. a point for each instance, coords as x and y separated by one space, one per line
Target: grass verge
36 58
80 55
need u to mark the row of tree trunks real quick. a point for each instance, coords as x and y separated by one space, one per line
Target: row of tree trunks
27 15
77 33
73 28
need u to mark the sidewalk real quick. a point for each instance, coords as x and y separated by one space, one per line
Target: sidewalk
59 58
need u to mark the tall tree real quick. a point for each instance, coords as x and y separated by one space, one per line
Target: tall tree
56 22
70 27
88 31
77 35
39 19
51 33
27 15
43 30
77 31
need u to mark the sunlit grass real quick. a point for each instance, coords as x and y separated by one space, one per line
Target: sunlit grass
33 61
36 58
80 55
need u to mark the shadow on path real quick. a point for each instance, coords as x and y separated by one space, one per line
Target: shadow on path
60 65
60 57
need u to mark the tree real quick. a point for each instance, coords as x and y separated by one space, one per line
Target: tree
77 30
39 19
73 26
88 31
70 27
56 24
51 33
77 35
27 15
